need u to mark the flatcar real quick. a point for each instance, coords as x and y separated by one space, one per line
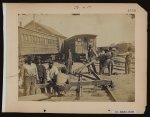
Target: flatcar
79 45
38 40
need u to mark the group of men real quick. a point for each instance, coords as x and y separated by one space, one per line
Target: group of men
106 59
32 74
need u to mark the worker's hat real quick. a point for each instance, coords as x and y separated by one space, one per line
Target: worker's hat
106 49
114 49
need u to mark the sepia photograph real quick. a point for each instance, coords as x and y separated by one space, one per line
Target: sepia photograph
76 57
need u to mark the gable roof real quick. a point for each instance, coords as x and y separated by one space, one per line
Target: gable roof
47 28
83 35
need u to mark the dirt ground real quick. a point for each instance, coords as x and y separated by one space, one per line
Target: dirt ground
123 91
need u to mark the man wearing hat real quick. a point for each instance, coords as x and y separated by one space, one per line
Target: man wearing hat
52 73
29 75
102 59
92 55
41 72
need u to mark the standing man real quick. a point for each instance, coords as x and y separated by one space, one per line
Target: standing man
102 59
41 72
69 61
128 60
109 62
92 55
52 73
29 75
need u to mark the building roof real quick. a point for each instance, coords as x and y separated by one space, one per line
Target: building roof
47 28
83 35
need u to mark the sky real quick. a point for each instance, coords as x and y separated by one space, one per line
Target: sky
109 28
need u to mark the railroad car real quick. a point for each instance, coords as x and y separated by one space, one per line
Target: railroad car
39 40
79 45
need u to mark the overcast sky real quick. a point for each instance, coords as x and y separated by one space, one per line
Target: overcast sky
109 28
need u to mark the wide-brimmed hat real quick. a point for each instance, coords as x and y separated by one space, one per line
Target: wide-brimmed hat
106 49
114 49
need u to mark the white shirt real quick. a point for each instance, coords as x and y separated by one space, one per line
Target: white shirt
29 71
61 79
51 72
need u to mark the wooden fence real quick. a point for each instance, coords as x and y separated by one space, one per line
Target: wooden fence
119 65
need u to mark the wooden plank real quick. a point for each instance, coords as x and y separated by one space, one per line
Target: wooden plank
119 69
86 76
107 89
120 66
78 70
96 82
96 76
116 61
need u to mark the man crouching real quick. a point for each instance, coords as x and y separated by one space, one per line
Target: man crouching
62 82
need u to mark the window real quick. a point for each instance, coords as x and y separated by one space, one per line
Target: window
79 39
25 38
91 40
49 41
31 40
22 38
39 39
46 41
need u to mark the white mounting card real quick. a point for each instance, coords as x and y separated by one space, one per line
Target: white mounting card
45 30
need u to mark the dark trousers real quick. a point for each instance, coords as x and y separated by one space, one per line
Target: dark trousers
127 67
51 87
58 89
109 64
93 66
42 81
69 65
101 67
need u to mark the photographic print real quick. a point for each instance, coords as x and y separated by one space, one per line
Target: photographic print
84 57
89 57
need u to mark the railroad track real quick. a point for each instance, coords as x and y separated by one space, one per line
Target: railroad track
88 94
107 86
103 86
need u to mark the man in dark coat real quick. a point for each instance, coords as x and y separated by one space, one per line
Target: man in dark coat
109 61
41 72
102 59
92 55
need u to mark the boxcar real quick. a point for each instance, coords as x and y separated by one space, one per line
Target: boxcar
79 45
